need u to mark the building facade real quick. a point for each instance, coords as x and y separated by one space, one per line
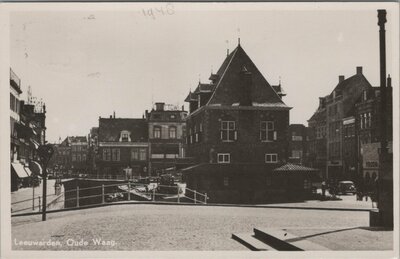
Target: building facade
122 148
332 127
297 144
317 142
79 155
369 131
28 132
237 131
166 128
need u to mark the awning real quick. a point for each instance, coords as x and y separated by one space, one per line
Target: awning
28 171
36 168
19 170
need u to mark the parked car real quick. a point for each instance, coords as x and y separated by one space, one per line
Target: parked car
345 187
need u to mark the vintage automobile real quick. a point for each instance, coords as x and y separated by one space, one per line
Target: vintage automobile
345 187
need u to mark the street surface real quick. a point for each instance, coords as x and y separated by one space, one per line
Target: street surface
174 227
346 202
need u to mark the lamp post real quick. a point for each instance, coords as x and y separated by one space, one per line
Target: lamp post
45 152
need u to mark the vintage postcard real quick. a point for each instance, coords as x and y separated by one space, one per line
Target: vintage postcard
214 130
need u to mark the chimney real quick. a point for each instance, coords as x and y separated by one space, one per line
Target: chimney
160 106
359 70
321 101
183 108
246 82
341 78
389 81
114 114
110 116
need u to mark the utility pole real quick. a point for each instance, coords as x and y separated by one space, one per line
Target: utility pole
45 152
385 178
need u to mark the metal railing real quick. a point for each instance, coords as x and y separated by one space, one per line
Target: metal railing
111 193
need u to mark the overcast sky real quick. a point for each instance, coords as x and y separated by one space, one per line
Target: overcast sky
86 64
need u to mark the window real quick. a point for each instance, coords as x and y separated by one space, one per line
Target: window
228 132
78 158
224 158
297 153
271 158
106 154
124 136
267 132
226 181
134 154
361 121
142 154
172 132
115 154
73 157
197 137
201 127
83 157
157 132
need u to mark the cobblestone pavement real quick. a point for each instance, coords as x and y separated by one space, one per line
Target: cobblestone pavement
167 227
346 202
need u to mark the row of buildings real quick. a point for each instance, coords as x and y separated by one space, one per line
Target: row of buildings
126 147
345 131
27 133
237 133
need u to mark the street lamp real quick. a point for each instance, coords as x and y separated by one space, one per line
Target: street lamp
45 152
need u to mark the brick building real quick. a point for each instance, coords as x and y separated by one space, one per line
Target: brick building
237 131
79 155
368 127
297 143
166 128
317 142
332 127
122 148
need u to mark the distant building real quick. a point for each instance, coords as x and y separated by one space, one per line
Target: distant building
237 131
79 155
317 142
166 129
28 132
333 125
345 122
368 127
122 148
297 143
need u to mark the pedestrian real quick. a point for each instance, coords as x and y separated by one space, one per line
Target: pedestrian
323 188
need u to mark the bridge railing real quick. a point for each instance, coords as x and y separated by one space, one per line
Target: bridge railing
109 193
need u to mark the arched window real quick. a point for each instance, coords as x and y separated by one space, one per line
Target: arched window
172 132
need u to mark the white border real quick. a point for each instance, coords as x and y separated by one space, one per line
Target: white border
6 8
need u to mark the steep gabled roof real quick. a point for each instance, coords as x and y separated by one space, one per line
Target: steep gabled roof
227 90
352 88
110 129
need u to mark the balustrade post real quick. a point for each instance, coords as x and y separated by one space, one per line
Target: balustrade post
77 196
102 193
129 191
